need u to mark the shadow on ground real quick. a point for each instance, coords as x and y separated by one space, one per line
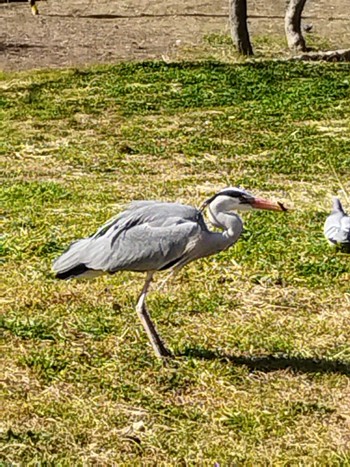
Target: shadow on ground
268 363
18 46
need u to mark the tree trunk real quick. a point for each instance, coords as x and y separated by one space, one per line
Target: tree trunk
292 25
239 28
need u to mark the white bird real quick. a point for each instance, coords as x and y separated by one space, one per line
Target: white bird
152 236
337 227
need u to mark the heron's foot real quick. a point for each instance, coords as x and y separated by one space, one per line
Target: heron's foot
163 352
35 10
159 347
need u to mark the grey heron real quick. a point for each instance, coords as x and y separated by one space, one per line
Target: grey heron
152 236
337 227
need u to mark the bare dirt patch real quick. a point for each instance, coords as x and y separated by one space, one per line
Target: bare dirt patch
70 34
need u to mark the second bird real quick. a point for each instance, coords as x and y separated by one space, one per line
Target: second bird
337 227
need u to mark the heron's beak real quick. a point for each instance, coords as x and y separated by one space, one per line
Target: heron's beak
259 203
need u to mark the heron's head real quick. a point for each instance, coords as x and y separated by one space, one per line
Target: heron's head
237 199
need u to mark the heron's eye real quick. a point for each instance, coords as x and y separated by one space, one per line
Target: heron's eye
243 199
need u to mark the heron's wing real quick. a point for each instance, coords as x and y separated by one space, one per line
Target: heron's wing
143 247
147 235
141 212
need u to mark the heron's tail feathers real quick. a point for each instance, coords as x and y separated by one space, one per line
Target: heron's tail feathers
70 263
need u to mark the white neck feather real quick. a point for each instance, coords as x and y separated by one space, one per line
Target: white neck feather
224 219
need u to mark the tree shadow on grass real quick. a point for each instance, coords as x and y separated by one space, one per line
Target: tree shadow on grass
268 363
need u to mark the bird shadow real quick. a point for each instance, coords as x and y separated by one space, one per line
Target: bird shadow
269 363
17 45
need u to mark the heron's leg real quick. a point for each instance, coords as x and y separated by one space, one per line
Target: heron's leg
155 339
170 276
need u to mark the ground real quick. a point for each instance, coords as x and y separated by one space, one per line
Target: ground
260 332
71 34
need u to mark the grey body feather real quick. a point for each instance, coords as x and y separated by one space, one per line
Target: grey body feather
337 226
147 236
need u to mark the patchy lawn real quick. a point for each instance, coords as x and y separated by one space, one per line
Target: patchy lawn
261 331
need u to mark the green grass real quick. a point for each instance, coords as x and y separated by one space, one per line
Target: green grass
218 46
261 332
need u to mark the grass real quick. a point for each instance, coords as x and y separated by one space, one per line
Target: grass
261 331
218 46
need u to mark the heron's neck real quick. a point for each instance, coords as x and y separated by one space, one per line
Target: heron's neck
229 222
